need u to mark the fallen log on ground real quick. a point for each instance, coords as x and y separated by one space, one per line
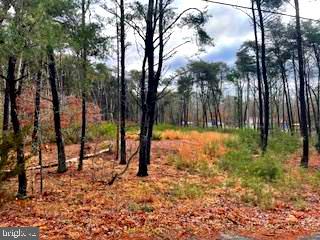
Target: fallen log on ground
71 160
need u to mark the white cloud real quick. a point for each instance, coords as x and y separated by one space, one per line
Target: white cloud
228 26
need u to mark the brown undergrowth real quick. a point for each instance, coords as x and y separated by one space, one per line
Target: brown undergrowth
186 196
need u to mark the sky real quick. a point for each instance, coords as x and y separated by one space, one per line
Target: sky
229 27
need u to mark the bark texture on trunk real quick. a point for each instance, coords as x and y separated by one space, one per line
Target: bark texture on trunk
261 122
36 112
83 82
123 97
303 107
62 167
11 81
265 78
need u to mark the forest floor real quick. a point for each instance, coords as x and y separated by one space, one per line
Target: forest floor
186 196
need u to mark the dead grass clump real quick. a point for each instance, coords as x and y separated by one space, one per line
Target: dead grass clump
172 135
207 146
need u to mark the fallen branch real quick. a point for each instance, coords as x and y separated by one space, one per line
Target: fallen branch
71 160
117 175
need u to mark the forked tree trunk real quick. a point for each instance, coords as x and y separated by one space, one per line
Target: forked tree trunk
261 121
149 51
153 82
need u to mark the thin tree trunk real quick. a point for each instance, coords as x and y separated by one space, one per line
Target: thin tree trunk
143 166
317 97
307 80
261 122
303 107
37 100
83 83
62 167
21 76
287 98
264 77
6 116
118 93
296 88
123 97
6 110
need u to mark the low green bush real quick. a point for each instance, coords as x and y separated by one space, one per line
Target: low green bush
187 191
266 168
259 171
156 136
200 167
145 207
71 134
245 159
103 130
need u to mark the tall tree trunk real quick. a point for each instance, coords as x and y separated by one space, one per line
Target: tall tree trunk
37 100
145 123
261 122
317 97
153 79
296 88
246 114
303 107
287 97
6 110
62 167
118 92
123 87
6 115
84 86
290 104
143 166
264 77
254 112
307 80
22 178
21 76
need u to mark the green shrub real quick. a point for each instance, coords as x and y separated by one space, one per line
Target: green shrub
258 193
156 136
236 162
200 167
103 130
266 168
71 134
145 207
8 157
205 169
282 143
187 191
245 160
162 127
259 172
